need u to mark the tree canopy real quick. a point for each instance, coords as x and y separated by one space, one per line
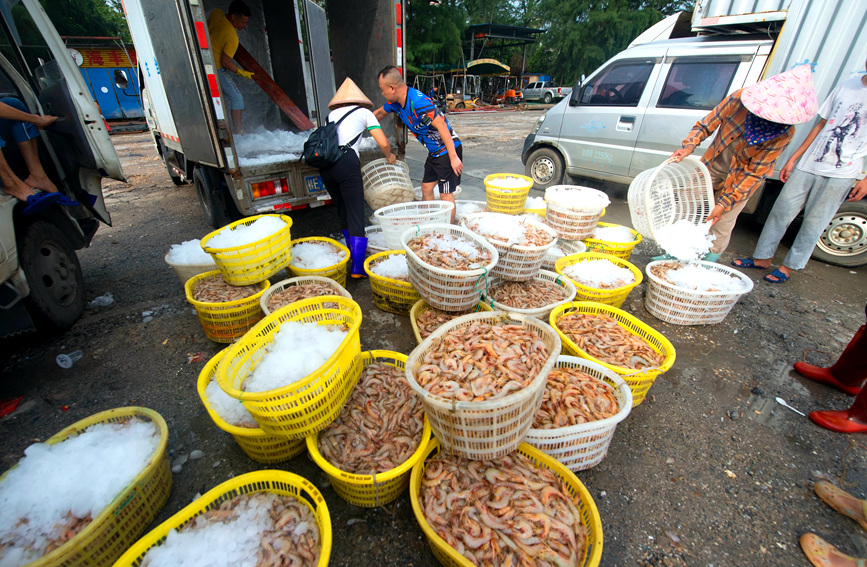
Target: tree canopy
93 18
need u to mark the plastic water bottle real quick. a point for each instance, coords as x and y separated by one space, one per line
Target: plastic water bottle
67 360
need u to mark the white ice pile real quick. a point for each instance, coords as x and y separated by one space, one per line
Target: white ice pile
81 476
262 146
466 208
393 267
233 543
614 234
501 227
296 350
376 238
599 274
189 253
698 278
242 234
577 198
535 203
684 240
312 256
507 183
229 409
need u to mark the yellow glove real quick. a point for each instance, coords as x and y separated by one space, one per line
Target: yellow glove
245 74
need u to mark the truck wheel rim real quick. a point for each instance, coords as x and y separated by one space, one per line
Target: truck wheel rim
543 170
56 273
845 235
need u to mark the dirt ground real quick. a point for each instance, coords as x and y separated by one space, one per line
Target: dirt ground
708 471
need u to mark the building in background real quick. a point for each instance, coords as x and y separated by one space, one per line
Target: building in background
110 70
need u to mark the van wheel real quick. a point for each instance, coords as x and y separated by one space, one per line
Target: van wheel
545 168
844 241
53 272
460 105
218 207
548 98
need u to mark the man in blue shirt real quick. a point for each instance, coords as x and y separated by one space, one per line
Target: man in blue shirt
443 165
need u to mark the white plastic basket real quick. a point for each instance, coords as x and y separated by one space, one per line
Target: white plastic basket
673 191
186 271
681 306
386 184
419 196
395 219
569 221
448 290
491 428
369 232
540 313
517 263
481 204
300 280
568 247
580 447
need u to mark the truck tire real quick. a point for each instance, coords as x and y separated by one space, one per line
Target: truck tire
218 207
548 98
545 167
844 241
53 272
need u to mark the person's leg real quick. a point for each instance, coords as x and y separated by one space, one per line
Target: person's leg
448 181
352 189
722 229
25 135
333 187
786 208
11 184
429 179
849 373
232 98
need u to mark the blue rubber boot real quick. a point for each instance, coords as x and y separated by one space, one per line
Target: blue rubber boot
345 237
711 257
357 252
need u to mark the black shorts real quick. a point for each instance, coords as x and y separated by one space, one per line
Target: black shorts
440 169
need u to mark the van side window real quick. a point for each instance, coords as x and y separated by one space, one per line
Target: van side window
619 85
697 85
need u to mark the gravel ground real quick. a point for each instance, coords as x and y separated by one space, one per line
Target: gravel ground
708 471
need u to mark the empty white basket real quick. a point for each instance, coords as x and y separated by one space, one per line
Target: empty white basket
580 447
386 184
539 312
517 263
690 307
671 192
570 221
395 219
448 290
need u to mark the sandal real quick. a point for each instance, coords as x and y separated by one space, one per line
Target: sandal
40 201
781 277
819 552
840 500
747 263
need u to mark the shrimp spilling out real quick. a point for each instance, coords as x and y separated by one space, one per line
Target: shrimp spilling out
505 511
216 290
432 319
380 426
603 338
297 293
528 295
482 361
449 252
573 397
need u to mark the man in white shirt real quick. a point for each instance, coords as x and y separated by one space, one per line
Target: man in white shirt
833 155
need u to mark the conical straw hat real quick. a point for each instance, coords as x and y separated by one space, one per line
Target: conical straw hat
787 98
349 93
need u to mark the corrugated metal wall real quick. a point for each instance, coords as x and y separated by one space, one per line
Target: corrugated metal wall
716 8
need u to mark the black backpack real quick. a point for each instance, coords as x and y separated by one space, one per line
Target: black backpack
322 148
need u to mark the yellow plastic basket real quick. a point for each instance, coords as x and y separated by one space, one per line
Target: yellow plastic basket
639 381
369 491
254 262
509 201
276 482
394 296
421 306
615 296
336 272
120 523
449 556
308 405
620 249
257 444
228 321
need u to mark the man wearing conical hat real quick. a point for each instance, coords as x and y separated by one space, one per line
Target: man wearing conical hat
351 109
753 126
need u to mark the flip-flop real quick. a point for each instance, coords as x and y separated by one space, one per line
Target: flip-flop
840 500
41 201
747 263
819 552
781 277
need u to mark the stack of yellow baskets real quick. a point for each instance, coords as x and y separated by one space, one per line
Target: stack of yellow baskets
509 200
389 294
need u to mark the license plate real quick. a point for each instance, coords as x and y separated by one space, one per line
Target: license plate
314 184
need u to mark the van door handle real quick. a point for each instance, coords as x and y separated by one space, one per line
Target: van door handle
625 123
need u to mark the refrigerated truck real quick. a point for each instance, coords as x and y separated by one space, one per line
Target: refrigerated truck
301 45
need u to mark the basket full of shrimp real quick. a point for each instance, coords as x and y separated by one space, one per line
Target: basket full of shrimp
225 311
522 243
616 340
319 256
583 403
389 282
481 378
267 518
294 370
252 249
534 298
426 319
574 211
395 219
234 419
448 265
521 509
600 277
369 450
291 290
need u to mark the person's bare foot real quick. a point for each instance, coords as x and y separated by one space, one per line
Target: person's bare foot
18 190
41 183
766 263
786 272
